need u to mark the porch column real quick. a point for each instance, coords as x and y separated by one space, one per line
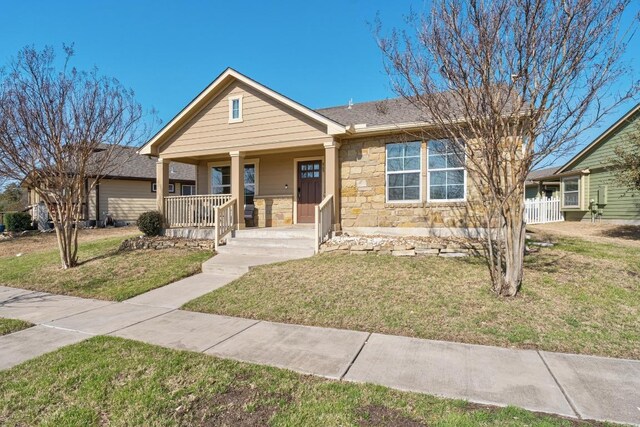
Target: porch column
332 178
202 178
237 184
162 184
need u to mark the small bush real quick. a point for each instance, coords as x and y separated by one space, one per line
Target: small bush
18 221
150 223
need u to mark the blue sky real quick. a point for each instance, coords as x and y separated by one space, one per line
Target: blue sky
318 53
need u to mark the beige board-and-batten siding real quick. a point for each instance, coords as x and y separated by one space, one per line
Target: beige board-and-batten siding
363 191
266 124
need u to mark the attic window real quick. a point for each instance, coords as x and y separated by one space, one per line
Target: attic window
235 109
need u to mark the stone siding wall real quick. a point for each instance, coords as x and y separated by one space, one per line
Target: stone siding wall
363 187
273 211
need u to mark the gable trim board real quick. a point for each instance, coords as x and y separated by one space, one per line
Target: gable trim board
219 84
600 138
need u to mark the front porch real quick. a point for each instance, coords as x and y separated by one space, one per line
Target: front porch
253 189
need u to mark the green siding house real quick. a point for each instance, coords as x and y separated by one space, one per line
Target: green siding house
588 188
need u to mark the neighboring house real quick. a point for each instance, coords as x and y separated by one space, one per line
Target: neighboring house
130 188
541 189
282 159
588 188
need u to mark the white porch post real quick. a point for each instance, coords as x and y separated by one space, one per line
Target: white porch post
237 185
162 184
332 178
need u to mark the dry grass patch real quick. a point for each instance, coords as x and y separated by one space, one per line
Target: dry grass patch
577 297
103 273
38 242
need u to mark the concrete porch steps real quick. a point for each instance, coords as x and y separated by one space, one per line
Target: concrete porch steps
258 246
292 232
262 242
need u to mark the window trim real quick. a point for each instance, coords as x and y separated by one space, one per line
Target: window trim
239 119
154 187
578 191
429 170
193 189
387 172
256 164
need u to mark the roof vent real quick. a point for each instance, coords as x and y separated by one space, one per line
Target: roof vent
350 104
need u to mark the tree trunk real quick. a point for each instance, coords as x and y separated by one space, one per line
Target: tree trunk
67 237
514 245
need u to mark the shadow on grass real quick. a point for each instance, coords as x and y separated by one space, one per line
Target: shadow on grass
98 257
627 232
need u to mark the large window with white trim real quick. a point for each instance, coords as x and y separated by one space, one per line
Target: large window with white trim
571 192
445 164
221 181
403 171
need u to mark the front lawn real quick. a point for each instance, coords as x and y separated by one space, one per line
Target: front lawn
9 326
112 381
578 297
104 272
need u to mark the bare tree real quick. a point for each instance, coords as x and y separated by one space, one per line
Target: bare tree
509 82
53 121
625 164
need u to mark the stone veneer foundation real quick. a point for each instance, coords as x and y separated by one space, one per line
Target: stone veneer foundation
273 211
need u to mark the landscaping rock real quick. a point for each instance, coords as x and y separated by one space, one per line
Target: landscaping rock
453 254
157 243
405 252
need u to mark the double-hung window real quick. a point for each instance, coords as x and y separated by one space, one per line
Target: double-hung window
571 192
403 171
187 190
447 179
221 181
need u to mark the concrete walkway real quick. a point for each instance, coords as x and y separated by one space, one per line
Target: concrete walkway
570 385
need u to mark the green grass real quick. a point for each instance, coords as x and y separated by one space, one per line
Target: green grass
8 326
103 273
577 297
112 381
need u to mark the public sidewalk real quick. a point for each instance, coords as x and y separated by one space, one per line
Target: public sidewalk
570 385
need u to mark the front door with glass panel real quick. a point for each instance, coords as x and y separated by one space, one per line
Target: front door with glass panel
309 189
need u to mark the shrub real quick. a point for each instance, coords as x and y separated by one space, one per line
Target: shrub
150 223
18 221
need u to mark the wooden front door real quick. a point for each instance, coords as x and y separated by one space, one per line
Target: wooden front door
309 189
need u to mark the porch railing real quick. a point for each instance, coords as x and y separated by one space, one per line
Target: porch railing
225 220
324 221
193 211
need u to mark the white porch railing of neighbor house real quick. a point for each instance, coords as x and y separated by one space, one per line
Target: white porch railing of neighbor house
541 211
324 221
193 211
225 220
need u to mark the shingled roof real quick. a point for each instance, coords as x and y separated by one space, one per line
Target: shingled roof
127 163
374 113
541 173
